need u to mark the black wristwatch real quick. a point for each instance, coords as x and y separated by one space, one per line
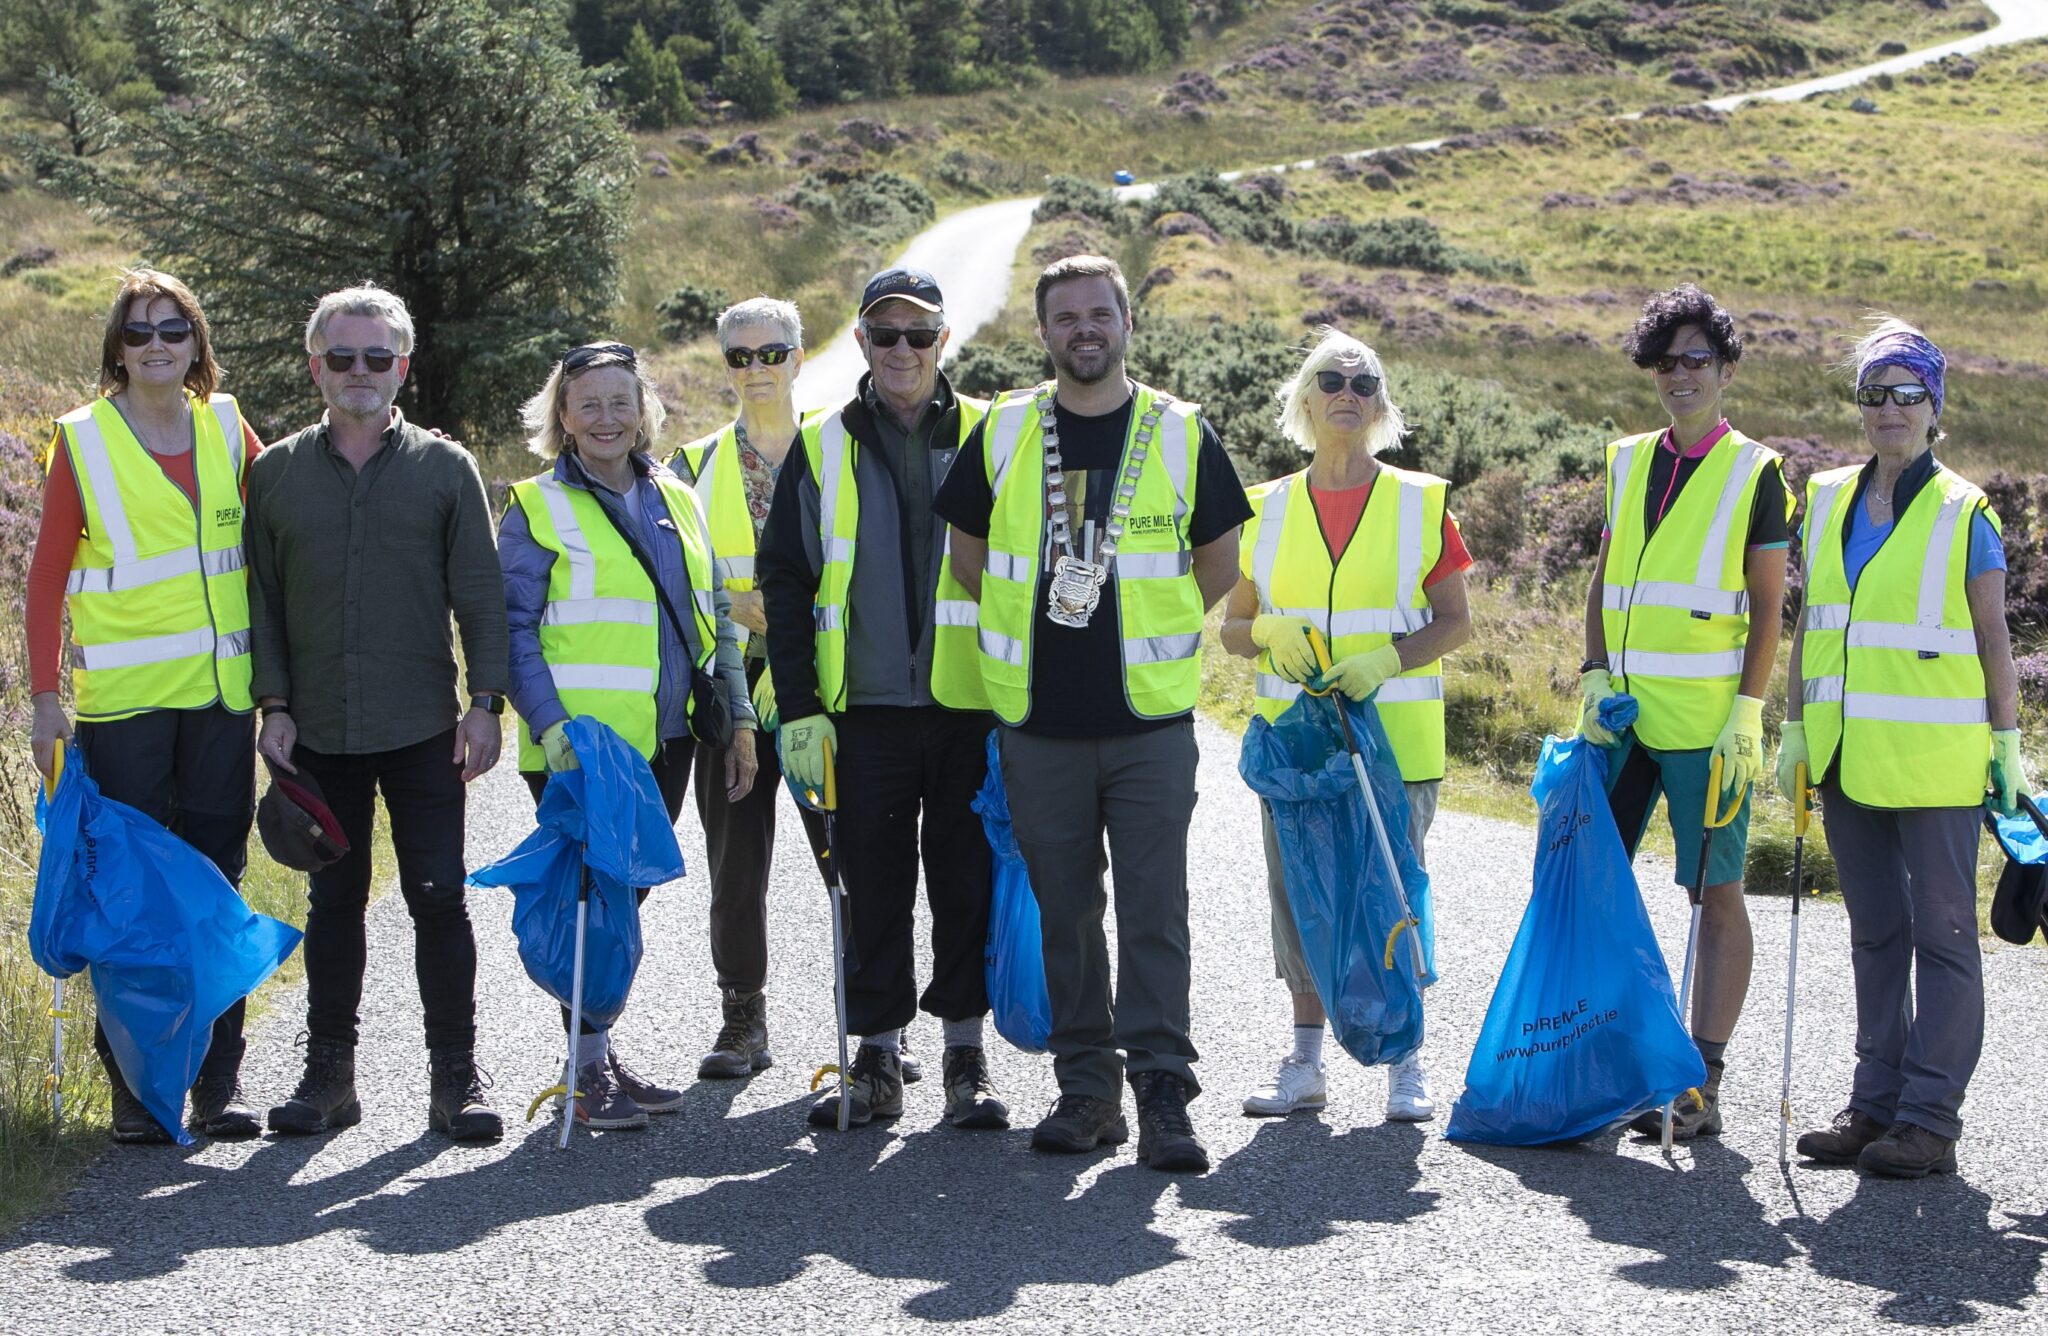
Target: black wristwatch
488 700
267 710
1590 664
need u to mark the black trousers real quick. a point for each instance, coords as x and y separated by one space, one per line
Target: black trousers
193 771
671 766
907 777
423 795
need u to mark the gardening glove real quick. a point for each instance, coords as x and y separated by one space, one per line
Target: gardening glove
1594 686
802 742
1741 744
1791 754
1286 640
2008 772
764 702
1359 675
554 744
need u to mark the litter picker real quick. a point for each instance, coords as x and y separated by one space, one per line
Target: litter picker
835 891
58 1014
1708 825
1802 813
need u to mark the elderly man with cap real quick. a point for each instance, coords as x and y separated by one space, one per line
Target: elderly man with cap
871 645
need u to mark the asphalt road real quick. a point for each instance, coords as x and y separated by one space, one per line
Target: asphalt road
733 1215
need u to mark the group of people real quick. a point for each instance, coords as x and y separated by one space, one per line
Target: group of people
883 584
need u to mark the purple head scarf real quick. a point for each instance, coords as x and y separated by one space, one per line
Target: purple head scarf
1908 348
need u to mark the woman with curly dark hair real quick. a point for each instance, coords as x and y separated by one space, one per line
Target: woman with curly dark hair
1683 614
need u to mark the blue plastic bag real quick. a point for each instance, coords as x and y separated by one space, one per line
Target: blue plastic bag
1345 907
169 943
1583 1030
605 819
2020 839
1013 962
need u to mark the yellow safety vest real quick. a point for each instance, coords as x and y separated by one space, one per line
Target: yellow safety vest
600 631
832 453
1892 685
712 465
1675 605
1159 606
1370 596
158 596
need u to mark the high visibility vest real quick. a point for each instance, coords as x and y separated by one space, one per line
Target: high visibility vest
1370 596
1675 606
1893 689
1159 606
600 633
713 466
832 454
158 596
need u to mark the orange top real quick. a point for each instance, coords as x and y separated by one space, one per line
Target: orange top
1339 510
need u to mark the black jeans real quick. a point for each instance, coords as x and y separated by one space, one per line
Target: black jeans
671 766
194 772
423 794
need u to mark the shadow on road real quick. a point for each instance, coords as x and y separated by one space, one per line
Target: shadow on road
1295 1182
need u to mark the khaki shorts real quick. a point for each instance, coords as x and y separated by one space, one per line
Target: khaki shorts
1287 960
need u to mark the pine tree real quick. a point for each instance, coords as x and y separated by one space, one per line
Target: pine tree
451 150
750 76
49 47
650 84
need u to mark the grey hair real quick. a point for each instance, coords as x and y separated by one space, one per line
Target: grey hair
761 311
542 414
1331 348
362 299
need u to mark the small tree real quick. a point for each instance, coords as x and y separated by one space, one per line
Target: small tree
650 84
49 46
750 76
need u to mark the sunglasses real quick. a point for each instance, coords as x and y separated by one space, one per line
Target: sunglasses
887 336
578 358
771 354
137 333
344 359
1905 396
1690 361
1363 385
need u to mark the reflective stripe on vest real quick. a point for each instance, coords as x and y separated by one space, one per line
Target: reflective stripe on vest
713 467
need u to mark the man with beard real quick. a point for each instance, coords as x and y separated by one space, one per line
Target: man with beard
1096 521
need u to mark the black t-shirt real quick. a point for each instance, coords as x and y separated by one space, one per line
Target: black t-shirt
1766 518
1077 672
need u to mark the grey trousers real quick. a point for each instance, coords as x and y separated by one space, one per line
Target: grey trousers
1287 961
1065 794
1909 880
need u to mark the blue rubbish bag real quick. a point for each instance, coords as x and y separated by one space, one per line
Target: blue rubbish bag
1345 907
168 942
605 819
1583 1030
1013 962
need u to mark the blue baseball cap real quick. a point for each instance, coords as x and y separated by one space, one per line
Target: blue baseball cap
911 285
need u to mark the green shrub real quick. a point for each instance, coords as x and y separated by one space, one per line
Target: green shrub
877 207
1070 194
1244 215
1459 428
690 312
1231 369
985 370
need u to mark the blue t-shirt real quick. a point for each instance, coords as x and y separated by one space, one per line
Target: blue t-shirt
1987 553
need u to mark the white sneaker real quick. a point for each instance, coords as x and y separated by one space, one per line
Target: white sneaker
1408 1098
1297 1085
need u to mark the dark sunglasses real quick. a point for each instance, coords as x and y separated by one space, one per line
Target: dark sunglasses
1905 396
771 354
344 359
1690 361
578 358
887 336
1363 385
137 333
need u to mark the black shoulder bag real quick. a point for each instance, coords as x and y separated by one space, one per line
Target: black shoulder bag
709 711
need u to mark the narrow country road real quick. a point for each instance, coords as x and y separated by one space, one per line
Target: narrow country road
971 252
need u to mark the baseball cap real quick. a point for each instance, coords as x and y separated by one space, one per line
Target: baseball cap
911 285
298 828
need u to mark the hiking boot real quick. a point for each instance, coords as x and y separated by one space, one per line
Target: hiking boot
1408 1098
1080 1123
1909 1150
326 1097
219 1110
1166 1137
1297 1085
874 1089
971 1100
643 1092
457 1107
1843 1140
913 1065
741 1048
1697 1112
133 1124
600 1104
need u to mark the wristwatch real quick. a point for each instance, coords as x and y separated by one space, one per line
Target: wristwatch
1590 664
267 710
488 700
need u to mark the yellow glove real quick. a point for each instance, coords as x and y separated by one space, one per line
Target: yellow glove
1286 640
1594 686
764 702
1791 753
803 749
1741 744
554 744
2008 772
1359 675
